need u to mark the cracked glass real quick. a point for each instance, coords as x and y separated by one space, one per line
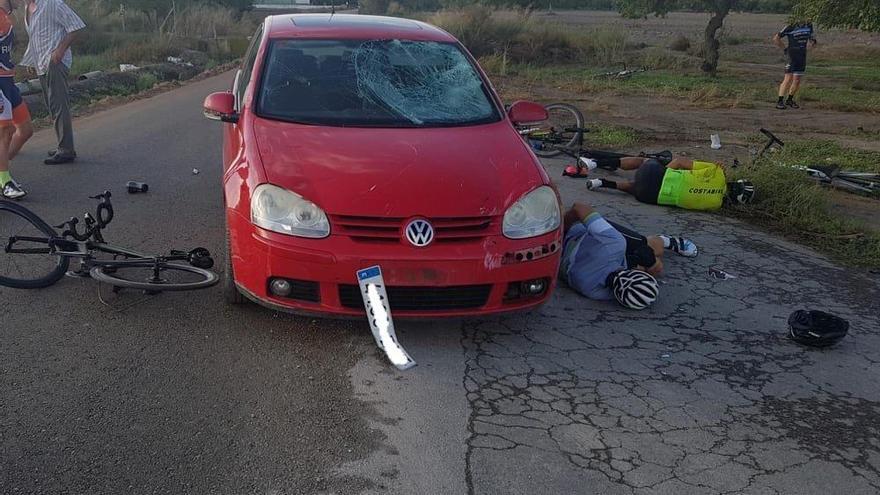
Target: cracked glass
373 83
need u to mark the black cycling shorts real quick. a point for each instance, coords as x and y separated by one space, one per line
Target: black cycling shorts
638 252
797 62
648 180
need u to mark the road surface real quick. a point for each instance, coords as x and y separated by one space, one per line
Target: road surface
178 393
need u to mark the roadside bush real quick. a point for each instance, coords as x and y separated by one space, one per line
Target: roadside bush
375 7
680 43
520 38
790 201
659 58
145 82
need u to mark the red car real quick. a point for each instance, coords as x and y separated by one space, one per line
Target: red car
351 141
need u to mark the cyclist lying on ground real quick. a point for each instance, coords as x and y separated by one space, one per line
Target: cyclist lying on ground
689 184
601 262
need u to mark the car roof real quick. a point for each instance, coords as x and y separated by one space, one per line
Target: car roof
350 26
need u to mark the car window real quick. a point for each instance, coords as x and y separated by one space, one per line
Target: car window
379 83
247 67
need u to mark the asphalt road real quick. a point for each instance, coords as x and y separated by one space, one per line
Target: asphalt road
180 394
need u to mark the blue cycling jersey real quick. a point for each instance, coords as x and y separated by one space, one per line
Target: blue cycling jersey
7 43
798 36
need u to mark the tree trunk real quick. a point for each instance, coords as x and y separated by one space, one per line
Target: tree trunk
711 43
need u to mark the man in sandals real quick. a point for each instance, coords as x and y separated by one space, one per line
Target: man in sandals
685 183
595 247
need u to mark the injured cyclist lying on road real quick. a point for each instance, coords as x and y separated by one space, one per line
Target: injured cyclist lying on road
689 184
607 261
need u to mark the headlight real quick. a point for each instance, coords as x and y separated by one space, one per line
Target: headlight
534 214
282 211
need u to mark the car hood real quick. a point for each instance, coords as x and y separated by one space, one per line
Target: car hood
436 172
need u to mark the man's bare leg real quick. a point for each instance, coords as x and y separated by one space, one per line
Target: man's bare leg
15 192
632 162
783 90
23 132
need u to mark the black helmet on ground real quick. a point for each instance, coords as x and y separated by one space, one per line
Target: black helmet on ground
816 328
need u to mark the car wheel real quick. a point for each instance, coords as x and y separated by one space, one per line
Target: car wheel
230 292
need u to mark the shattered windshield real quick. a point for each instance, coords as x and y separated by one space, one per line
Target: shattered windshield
381 83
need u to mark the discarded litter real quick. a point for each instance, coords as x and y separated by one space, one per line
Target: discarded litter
720 274
195 171
178 61
137 187
664 356
127 67
716 141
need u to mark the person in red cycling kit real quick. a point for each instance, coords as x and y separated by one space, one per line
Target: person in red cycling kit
15 120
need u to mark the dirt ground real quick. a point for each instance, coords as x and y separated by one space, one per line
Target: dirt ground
684 127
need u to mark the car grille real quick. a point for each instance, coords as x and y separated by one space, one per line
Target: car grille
422 298
384 229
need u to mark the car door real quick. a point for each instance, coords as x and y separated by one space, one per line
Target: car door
232 139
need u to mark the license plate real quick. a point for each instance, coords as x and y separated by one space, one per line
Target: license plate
375 298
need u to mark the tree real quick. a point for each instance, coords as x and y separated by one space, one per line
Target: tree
718 8
858 14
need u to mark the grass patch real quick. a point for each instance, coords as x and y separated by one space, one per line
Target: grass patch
145 82
790 202
611 136
823 152
519 37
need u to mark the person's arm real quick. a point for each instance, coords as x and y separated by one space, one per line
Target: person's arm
777 40
681 164
71 23
58 52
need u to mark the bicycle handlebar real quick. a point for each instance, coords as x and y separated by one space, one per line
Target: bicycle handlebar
772 137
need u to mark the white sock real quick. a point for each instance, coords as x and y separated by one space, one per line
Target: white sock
589 163
666 241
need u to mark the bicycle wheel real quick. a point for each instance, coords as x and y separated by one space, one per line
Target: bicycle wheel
171 277
29 264
562 116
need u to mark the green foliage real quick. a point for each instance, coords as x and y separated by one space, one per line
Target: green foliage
145 82
859 14
611 136
825 152
519 38
790 202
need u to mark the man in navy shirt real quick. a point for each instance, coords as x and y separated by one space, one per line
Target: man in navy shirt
800 36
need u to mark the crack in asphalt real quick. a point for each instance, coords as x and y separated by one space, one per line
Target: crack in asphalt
703 393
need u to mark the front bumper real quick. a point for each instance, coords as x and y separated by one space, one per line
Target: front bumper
468 278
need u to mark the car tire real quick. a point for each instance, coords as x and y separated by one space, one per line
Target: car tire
230 291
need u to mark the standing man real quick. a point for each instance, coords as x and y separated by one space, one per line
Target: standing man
800 35
52 27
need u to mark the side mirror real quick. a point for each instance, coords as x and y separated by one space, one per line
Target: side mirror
527 112
221 106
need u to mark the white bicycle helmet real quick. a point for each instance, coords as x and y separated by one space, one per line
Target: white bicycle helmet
634 289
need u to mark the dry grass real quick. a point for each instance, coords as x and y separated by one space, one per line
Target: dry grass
518 37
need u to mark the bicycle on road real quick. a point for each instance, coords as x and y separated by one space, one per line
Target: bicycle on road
34 255
564 129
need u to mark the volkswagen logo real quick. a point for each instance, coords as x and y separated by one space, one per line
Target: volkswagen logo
419 232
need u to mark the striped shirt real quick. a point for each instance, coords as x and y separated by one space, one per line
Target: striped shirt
47 25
